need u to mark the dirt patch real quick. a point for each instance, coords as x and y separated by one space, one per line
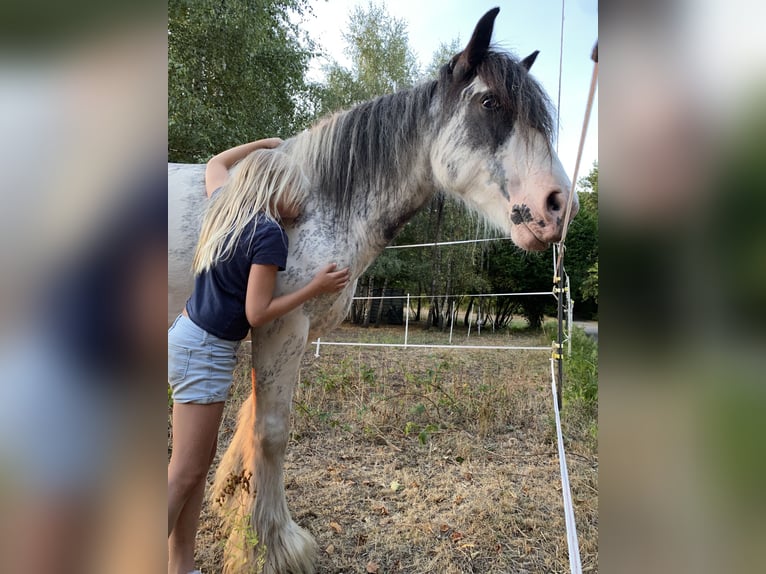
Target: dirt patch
429 461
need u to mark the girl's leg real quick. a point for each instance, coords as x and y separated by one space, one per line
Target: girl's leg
181 542
195 432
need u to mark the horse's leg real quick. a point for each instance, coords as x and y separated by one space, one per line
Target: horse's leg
255 459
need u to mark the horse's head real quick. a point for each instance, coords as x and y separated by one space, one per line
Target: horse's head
493 149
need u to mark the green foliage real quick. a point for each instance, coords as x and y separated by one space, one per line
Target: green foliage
581 371
581 258
590 285
382 61
512 271
235 74
379 47
441 56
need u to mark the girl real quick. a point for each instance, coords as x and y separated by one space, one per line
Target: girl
241 247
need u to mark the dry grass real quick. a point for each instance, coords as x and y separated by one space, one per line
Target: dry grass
429 461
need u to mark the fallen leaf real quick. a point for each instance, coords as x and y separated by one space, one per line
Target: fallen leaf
372 568
395 485
336 527
444 527
330 549
381 509
455 536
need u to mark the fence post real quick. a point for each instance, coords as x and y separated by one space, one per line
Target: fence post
407 320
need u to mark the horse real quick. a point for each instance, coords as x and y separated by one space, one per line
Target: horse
482 132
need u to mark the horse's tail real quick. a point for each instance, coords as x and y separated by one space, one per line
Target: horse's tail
233 493
249 494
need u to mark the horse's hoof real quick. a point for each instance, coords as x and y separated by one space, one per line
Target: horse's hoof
292 551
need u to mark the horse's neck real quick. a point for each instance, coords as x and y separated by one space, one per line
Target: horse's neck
383 199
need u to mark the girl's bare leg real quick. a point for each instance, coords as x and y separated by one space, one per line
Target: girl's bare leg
195 432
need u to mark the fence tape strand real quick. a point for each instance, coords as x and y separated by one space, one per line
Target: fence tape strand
575 566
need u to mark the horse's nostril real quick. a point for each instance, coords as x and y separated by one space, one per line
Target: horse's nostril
554 201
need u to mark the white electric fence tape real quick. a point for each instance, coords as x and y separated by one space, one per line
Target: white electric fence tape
575 566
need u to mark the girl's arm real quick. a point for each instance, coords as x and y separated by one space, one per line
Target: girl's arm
217 169
262 307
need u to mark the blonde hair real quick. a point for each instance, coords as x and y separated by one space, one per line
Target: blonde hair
261 181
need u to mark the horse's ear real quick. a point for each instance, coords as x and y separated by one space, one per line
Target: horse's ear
529 60
477 46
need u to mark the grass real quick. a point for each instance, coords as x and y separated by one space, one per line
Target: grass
424 460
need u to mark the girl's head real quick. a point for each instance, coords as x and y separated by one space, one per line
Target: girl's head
267 181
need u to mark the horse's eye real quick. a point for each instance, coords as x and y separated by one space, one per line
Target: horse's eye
489 102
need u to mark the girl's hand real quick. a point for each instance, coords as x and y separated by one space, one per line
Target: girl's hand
329 281
270 143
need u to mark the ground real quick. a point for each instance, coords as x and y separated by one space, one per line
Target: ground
423 461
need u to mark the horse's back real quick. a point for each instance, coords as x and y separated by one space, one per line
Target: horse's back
186 200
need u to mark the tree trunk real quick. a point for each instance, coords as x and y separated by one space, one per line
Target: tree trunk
467 317
447 296
433 312
368 314
358 307
379 317
420 302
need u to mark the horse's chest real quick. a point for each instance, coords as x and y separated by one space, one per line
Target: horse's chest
326 312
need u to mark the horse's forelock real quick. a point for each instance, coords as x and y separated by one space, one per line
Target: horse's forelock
517 91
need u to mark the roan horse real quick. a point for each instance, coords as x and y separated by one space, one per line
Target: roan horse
482 131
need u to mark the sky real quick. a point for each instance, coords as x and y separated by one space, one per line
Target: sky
521 27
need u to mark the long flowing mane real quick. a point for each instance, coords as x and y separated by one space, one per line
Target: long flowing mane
370 147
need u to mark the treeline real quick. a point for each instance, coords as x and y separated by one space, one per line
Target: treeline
238 71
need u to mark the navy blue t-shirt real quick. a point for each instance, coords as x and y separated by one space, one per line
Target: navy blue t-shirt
218 301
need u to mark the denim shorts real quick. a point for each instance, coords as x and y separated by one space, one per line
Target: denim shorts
200 365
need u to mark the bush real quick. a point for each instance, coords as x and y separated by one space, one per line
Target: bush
581 371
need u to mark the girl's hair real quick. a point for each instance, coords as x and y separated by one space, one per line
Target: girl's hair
263 179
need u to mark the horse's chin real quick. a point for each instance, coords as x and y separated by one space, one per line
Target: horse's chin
526 240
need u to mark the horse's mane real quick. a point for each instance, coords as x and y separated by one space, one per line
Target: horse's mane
356 153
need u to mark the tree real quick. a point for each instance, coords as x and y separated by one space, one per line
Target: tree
582 247
510 270
590 285
382 61
441 56
235 73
